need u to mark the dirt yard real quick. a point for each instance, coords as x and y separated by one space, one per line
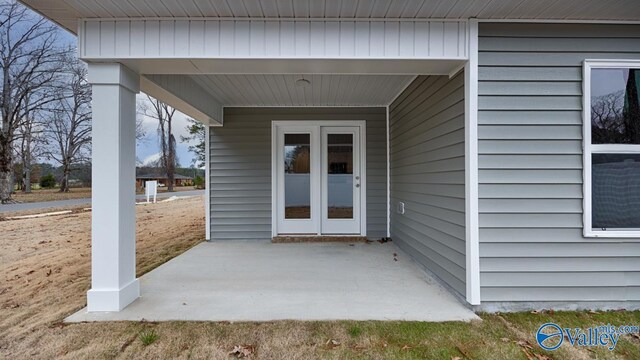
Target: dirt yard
45 273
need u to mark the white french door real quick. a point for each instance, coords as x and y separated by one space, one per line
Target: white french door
340 180
319 178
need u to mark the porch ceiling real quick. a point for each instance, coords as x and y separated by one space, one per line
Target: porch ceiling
323 90
67 12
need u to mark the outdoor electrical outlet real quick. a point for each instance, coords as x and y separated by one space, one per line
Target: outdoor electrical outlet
401 208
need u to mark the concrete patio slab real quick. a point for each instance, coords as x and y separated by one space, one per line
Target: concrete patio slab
260 281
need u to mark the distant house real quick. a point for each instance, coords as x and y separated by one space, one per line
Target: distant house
179 180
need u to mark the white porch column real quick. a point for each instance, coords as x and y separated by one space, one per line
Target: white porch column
113 238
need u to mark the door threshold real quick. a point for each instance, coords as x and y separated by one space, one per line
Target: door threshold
286 239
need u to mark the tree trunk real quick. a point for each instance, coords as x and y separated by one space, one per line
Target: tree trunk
6 174
26 180
171 165
64 182
26 168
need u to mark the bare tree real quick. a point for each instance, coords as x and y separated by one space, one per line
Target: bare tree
164 114
30 144
606 117
69 129
29 59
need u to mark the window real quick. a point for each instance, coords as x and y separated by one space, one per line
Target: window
612 148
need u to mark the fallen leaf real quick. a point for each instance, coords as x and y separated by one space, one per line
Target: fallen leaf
242 351
406 347
524 344
332 343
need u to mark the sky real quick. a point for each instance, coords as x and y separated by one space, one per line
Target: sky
148 149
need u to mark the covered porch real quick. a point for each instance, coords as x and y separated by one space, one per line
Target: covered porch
395 93
260 281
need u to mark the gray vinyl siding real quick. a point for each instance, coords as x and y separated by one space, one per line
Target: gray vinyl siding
530 166
427 174
240 164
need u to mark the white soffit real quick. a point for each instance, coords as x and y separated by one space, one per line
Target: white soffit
67 12
323 90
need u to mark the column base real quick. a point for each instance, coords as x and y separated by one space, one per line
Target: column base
113 300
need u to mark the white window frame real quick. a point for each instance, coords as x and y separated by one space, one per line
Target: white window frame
589 149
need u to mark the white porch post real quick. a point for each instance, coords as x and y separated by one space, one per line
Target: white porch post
113 239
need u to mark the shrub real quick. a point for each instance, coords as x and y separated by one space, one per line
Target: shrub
198 182
48 181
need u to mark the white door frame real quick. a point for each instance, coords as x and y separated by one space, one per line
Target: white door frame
318 124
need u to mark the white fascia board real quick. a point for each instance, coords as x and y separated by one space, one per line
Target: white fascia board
472 228
189 38
185 95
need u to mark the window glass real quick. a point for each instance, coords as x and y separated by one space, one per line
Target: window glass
340 176
615 191
615 109
297 176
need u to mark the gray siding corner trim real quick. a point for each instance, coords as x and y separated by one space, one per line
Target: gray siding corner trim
427 174
530 169
240 168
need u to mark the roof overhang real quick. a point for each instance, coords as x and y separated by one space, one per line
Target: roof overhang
68 12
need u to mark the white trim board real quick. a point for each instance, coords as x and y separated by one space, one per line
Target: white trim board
589 149
207 182
472 227
388 132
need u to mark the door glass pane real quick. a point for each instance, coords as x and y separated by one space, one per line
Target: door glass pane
615 191
615 106
297 176
340 177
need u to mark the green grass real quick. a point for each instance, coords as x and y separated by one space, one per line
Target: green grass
148 336
496 336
